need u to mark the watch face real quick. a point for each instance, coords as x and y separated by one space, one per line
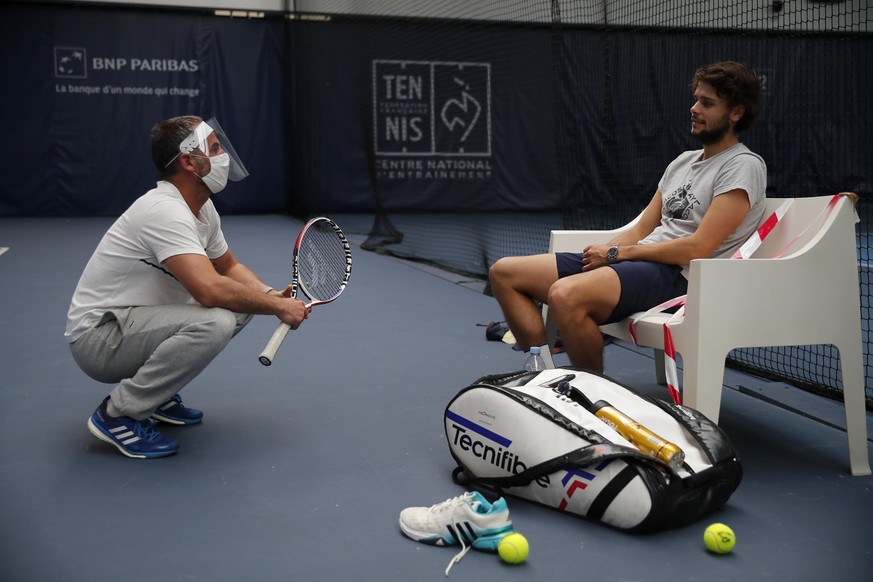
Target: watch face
612 254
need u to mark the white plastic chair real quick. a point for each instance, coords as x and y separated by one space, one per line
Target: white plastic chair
807 295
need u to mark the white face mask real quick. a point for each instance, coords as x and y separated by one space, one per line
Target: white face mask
216 179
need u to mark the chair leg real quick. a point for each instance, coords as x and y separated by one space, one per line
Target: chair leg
856 413
703 381
660 371
551 327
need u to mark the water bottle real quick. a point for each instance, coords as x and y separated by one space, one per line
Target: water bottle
534 361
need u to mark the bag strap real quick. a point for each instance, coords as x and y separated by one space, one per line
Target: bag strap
581 457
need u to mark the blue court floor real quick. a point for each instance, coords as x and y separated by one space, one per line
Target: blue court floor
300 470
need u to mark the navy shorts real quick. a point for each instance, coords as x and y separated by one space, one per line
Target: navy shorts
643 284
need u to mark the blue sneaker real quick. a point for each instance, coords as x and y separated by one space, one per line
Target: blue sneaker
174 412
135 438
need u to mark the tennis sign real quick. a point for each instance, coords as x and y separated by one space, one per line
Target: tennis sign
432 118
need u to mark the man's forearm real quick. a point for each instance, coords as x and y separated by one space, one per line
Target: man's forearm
245 276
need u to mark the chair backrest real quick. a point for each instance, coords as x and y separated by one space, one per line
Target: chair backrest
803 221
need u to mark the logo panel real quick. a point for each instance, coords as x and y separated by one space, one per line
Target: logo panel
462 104
403 111
71 62
431 108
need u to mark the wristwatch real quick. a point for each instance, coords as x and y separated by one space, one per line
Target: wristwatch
612 254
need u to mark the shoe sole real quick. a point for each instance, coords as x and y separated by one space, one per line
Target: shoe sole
175 421
488 541
98 432
425 538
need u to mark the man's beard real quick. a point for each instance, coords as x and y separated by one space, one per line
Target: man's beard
716 134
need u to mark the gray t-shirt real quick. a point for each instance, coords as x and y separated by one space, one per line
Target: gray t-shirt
127 268
688 187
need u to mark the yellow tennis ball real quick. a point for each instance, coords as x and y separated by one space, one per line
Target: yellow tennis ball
513 548
719 538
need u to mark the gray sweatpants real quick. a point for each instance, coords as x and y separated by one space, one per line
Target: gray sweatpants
153 352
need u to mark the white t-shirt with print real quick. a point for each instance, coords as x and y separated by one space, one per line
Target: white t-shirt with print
688 187
126 269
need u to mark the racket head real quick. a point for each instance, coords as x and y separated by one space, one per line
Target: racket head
322 261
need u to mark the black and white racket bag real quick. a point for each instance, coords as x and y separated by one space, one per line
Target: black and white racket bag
531 436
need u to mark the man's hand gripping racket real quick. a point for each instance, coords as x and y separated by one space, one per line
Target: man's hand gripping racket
321 266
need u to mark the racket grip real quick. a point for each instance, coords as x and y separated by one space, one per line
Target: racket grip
266 357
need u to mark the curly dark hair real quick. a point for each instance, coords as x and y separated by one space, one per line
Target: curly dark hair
737 84
166 136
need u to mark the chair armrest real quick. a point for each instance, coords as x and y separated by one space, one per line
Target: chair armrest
574 241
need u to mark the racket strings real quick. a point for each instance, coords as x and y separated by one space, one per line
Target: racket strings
323 261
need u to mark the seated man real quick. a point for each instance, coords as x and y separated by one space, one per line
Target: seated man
162 294
708 202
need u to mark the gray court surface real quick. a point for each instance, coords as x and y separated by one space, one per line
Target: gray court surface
300 470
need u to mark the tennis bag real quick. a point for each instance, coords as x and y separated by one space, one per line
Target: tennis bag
534 435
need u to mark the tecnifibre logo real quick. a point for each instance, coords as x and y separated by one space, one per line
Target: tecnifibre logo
500 456
576 480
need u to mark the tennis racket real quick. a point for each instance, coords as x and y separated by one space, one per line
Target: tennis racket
321 266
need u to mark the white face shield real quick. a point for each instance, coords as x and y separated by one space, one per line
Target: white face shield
197 143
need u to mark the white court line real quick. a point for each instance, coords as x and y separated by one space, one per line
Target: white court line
3 250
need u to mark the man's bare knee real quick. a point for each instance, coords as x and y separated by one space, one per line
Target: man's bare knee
497 271
563 297
503 273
